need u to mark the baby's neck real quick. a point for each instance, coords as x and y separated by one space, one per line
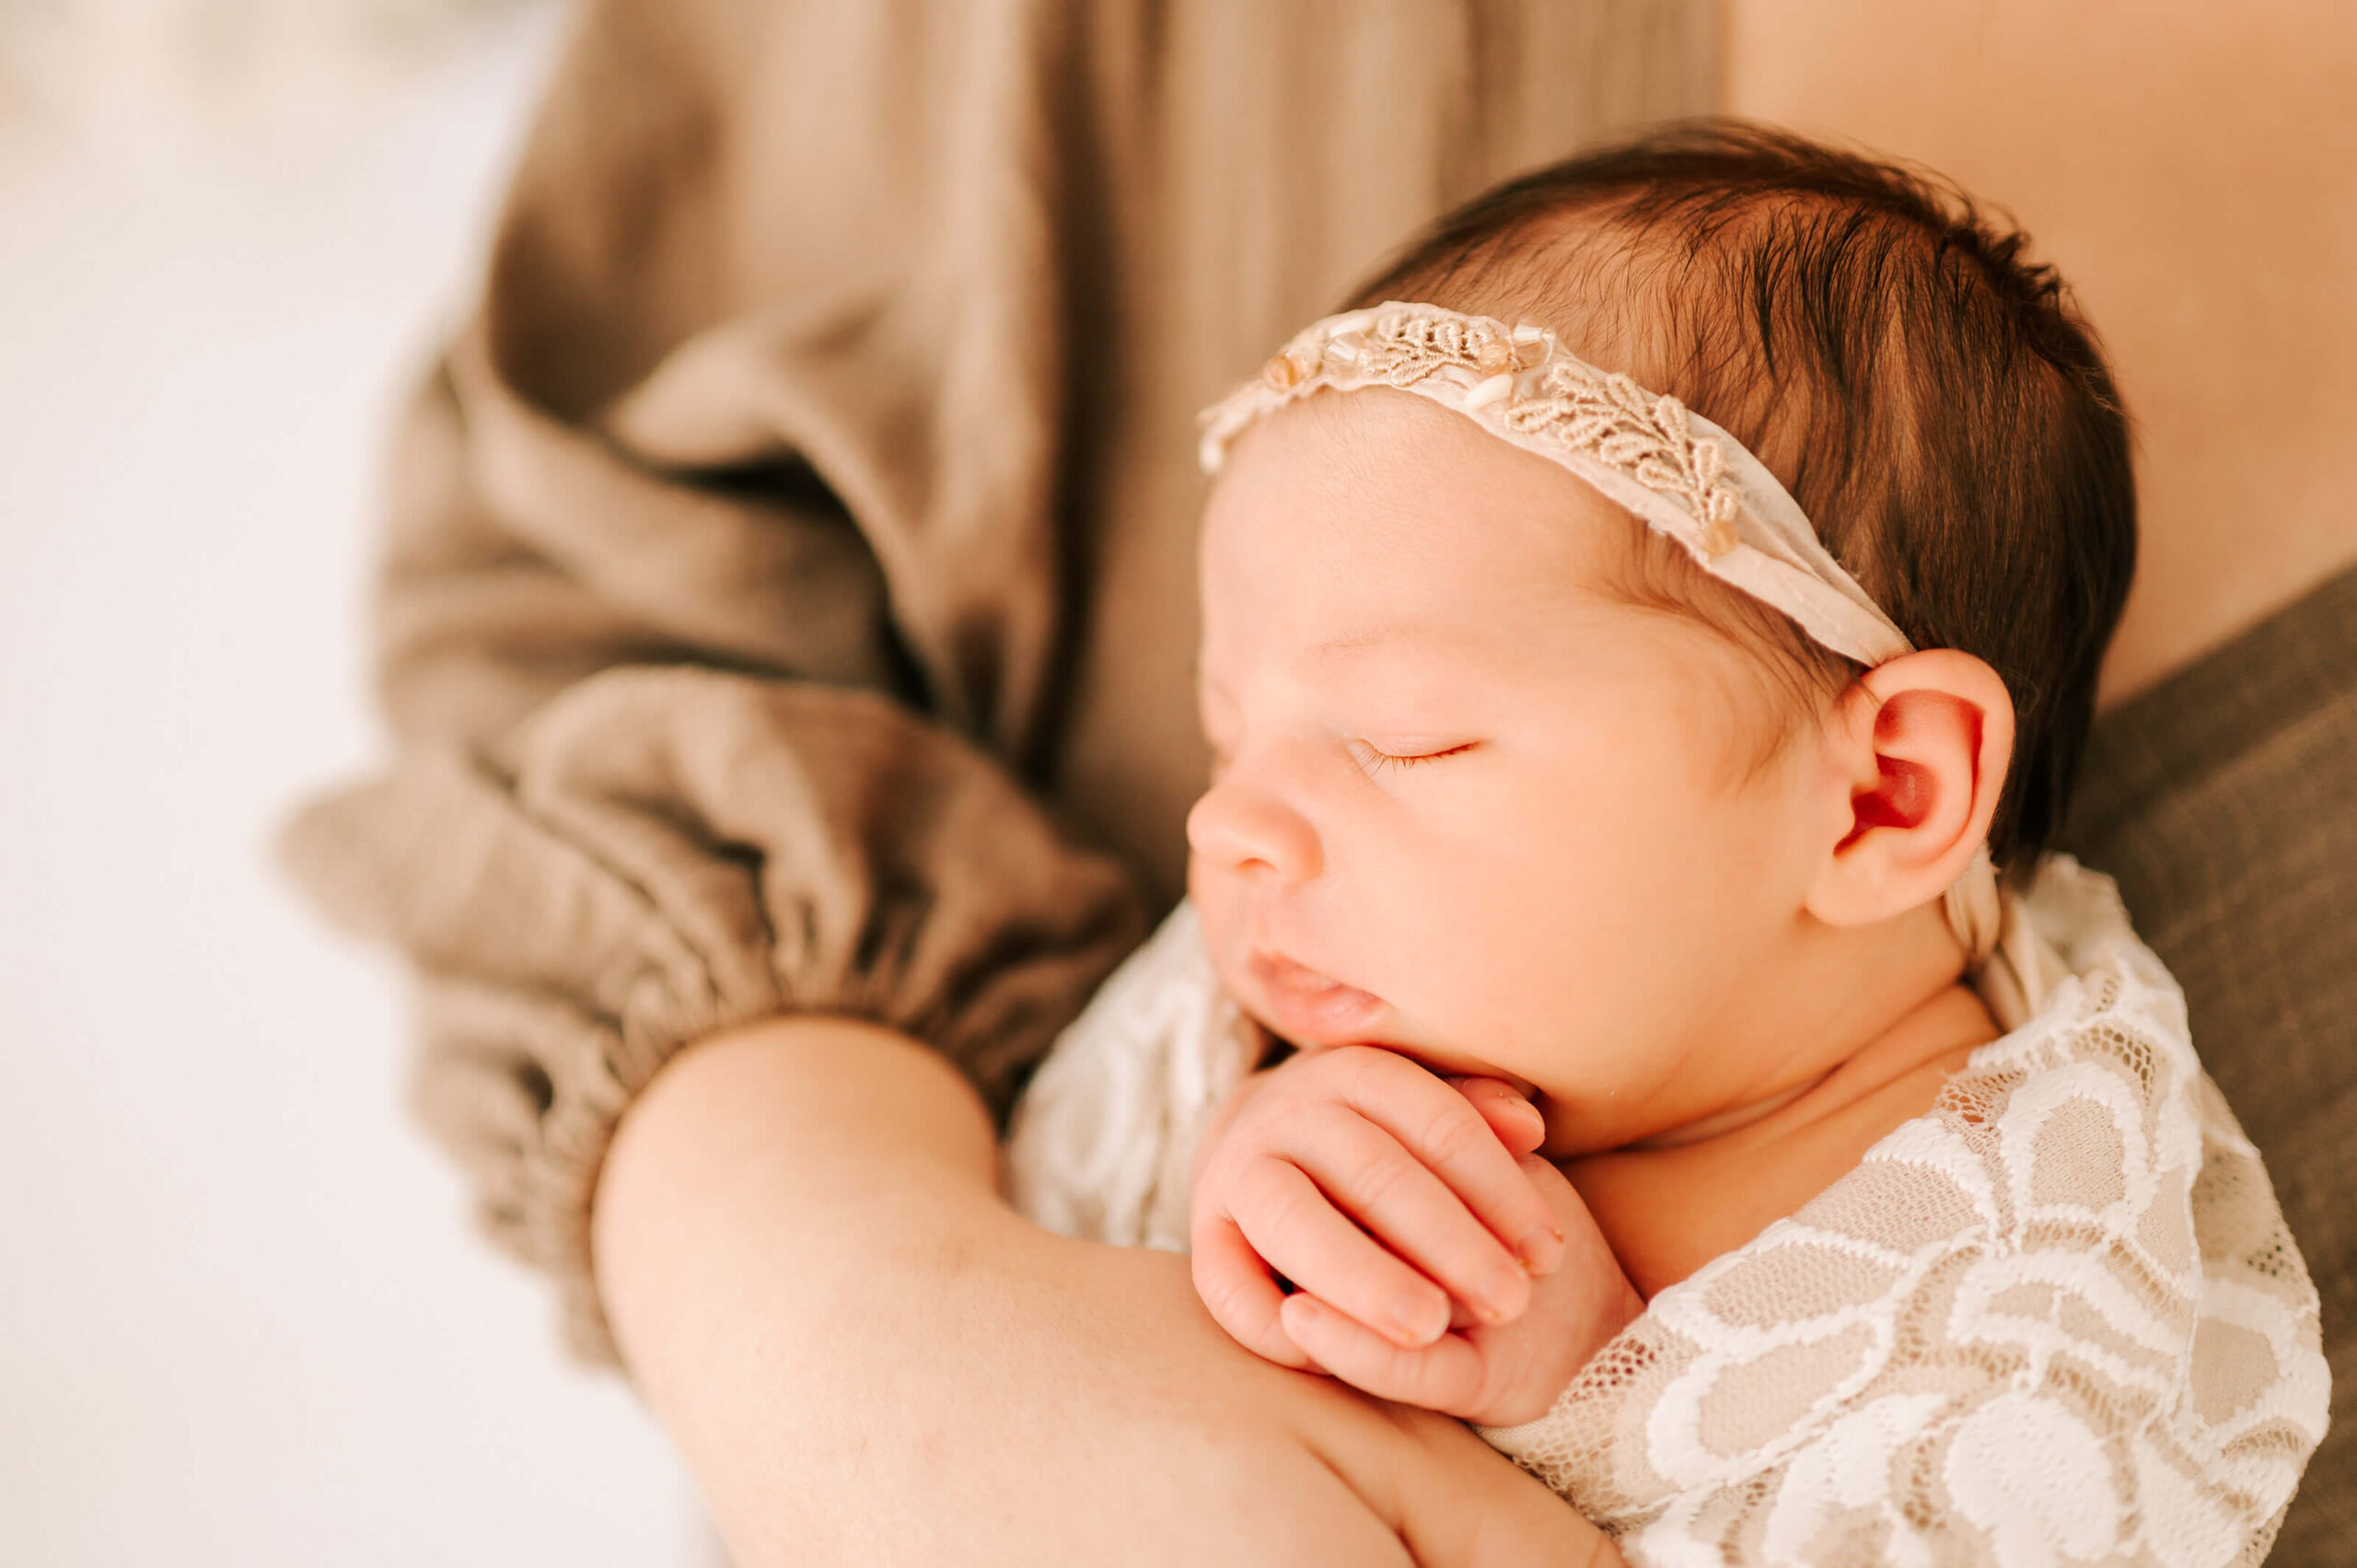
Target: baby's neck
1676 1199
1936 1038
1796 1015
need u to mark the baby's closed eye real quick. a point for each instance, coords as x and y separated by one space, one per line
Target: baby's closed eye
1404 754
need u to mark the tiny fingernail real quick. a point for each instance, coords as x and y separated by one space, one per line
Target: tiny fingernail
1502 1297
1541 1250
1421 1322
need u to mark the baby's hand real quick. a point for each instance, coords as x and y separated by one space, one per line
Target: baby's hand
1376 1186
1395 1202
1501 1374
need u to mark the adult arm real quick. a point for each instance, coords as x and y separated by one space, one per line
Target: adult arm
868 1358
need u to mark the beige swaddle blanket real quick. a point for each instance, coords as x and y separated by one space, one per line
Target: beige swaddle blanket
2056 1319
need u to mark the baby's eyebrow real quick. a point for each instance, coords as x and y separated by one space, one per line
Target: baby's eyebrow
1418 634
1396 631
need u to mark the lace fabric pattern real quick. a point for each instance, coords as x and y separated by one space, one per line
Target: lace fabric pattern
2057 1319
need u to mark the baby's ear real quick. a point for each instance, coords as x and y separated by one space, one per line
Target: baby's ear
1922 744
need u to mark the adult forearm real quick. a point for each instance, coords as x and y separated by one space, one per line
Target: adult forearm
866 1358
760 1201
808 1129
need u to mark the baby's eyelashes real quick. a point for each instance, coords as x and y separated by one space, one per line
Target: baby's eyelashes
1374 760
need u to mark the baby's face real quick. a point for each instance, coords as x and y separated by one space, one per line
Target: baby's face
1467 802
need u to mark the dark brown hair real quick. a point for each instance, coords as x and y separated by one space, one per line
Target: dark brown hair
1932 398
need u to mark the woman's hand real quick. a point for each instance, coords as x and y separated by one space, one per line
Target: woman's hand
866 1358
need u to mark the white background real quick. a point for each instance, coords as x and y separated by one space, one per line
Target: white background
244 1318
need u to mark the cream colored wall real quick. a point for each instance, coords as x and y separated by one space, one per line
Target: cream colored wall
2192 167
243 1321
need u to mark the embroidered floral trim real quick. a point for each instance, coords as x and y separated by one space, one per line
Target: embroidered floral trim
1604 416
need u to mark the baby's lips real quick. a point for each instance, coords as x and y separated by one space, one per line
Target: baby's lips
1309 1006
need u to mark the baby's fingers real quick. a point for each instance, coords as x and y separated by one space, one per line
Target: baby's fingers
1439 1126
1297 1231
1237 1290
1402 1203
1511 1116
1445 1376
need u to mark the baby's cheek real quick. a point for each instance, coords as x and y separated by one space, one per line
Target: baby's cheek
1485 971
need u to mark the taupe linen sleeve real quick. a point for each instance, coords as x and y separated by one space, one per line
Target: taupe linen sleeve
709 672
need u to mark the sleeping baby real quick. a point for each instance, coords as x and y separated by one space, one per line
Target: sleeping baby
1624 998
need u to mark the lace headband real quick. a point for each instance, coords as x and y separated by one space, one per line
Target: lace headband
1684 476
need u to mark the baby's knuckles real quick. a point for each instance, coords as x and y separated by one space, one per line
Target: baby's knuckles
1371 1078
1264 1116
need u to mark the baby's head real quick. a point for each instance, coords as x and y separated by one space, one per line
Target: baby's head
1506 780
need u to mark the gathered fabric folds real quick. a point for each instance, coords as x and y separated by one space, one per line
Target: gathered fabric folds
2057 1319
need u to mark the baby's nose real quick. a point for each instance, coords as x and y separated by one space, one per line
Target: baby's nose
1239 827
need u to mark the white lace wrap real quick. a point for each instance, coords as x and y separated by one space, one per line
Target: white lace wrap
2057 1319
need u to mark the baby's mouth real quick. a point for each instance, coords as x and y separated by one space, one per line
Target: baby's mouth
1309 1008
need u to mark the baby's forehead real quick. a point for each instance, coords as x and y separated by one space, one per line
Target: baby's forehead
1376 505
1432 663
